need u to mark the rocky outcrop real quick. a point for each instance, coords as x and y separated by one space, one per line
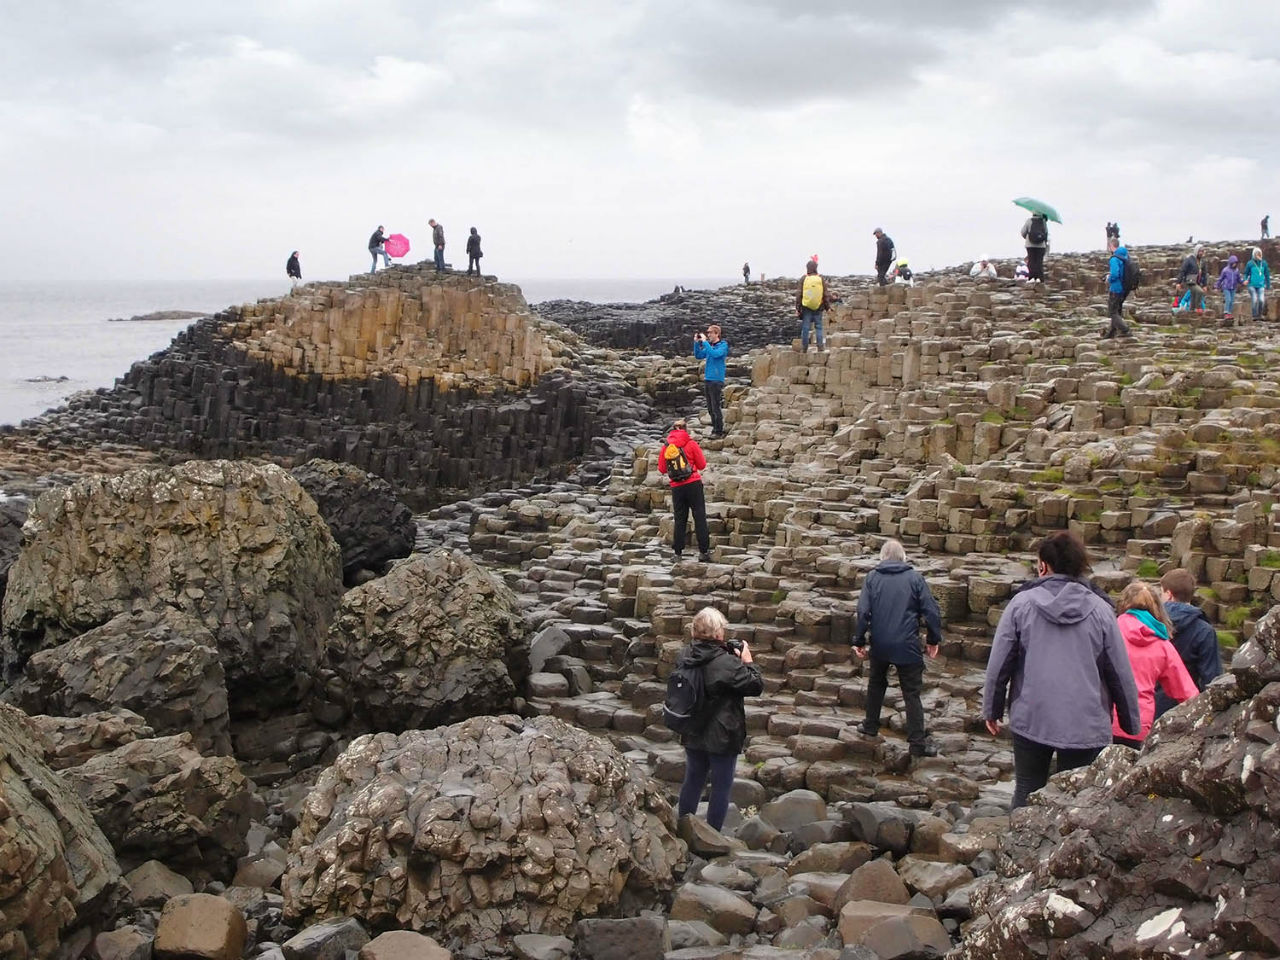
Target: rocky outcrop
480 830
238 546
70 741
13 513
436 640
161 800
162 664
1170 852
57 870
366 517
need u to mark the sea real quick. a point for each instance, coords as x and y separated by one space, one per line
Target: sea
59 339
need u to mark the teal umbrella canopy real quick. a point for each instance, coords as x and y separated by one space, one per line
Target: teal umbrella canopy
1038 206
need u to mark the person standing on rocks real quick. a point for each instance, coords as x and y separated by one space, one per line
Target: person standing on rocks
1193 635
709 347
1146 629
728 675
1190 277
473 252
1060 661
376 247
1036 234
746 273
811 300
681 461
885 255
1266 226
893 600
437 240
1116 293
1257 274
1228 280
293 269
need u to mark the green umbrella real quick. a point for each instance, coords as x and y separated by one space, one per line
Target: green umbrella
1038 206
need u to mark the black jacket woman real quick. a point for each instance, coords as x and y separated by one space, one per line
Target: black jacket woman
473 252
727 677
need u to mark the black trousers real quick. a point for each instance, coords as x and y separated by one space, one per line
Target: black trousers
685 499
714 390
1035 263
881 270
911 680
1116 303
473 263
1031 766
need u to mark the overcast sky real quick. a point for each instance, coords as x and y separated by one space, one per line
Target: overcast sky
148 139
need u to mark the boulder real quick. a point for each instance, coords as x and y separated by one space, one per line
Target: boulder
721 909
931 877
123 943
405 945
153 884
239 546
861 916
539 946
794 809
160 799
434 641
199 926
630 938
365 515
13 514
57 870
326 941
907 938
876 881
161 664
480 828
1169 852
70 741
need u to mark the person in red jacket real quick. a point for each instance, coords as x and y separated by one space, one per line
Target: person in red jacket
1146 629
680 460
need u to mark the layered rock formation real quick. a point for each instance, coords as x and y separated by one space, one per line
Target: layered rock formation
487 828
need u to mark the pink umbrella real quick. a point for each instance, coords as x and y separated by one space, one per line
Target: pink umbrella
396 245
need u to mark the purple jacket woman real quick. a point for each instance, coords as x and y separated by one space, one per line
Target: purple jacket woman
1228 280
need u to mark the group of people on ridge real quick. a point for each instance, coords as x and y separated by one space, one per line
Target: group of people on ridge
378 240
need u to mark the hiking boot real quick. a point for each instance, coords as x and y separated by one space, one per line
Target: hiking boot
928 750
869 734
704 557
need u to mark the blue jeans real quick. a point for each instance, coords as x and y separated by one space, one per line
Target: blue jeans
1228 301
808 316
1258 301
386 261
697 764
439 258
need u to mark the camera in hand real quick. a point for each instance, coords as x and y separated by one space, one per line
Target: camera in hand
734 647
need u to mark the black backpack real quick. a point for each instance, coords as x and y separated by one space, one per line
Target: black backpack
1132 278
685 704
1038 232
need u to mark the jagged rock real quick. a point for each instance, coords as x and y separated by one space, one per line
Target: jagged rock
160 799
70 741
859 917
123 943
703 839
13 513
162 664
484 827
153 884
1166 852
405 945
875 881
57 870
365 515
435 640
239 546
907 938
930 877
200 926
330 940
720 909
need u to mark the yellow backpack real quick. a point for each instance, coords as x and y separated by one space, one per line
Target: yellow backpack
811 295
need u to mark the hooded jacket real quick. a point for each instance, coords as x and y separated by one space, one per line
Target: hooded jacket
692 452
1197 644
894 598
377 239
473 246
1229 278
1190 272
1154 661
1059 656
714 354
292 268
1115 273
1258 272
726 680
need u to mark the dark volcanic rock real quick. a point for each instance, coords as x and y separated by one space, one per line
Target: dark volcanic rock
13 513
369 521
1167 852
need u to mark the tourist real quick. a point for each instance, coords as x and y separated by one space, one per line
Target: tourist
1266 226
437 240
293 269
893 601
1146 629
681 461
885 255
1113 236
983 269
1116 293
376 247
746 273
811 299
1228 280
1191 278
1258 275
711 348
1060 660
1036 234
1193 635
728 675
1021 271
903 274
473 251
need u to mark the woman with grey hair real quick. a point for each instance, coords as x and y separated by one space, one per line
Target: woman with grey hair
728 675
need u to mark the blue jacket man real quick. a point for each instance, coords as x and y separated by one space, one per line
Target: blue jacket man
711 348
893 600
1116 294
1193 635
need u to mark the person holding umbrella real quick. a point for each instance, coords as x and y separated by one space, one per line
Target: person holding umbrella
1035 232
293 269
377 246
